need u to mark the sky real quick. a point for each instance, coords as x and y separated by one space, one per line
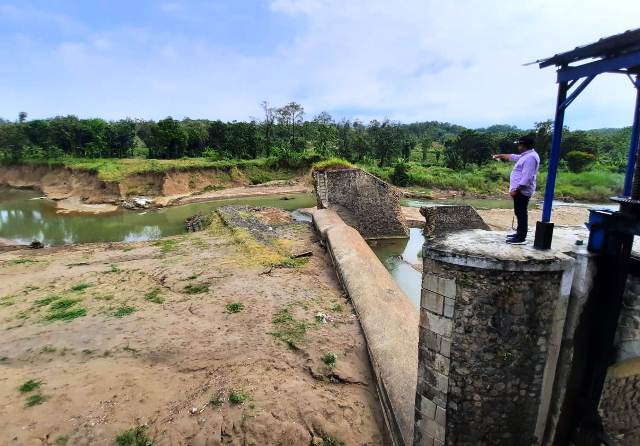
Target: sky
408 60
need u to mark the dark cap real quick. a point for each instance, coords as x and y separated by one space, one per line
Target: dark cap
525 141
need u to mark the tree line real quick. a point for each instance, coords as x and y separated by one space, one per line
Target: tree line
284 132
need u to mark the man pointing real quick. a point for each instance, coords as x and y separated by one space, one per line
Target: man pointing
522 184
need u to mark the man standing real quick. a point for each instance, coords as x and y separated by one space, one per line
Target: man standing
522 184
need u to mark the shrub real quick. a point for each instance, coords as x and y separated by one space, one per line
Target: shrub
333 164
400 175
579 161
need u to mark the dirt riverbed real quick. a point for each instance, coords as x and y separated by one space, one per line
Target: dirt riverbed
209 338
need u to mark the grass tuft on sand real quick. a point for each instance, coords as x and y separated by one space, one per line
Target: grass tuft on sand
136 436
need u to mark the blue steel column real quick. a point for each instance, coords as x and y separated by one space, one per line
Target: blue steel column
554 157
633 146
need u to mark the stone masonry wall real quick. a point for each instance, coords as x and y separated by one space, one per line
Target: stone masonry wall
484 340
628 335
366 202
620 403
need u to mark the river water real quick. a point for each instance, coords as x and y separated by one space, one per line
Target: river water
26 216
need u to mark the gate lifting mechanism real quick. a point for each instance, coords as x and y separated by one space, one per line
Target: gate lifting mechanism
611 232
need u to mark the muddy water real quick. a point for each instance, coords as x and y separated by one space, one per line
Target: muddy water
25 217
398 256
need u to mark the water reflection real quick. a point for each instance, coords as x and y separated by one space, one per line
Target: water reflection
397 256
23 219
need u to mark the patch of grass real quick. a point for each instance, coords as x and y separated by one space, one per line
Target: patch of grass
62 440
330 441
234 307
66 314
124 310
216 401
237 397
136 436
4 359
47 300
80 286
166 245
330 360
290 262
196 288
48 349
103 297
113 269
22 261
34 400
288 329
194 276
337 308
63 304
333 164
29 386
154 296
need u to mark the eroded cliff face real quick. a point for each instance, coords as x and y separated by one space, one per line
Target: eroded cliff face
60 183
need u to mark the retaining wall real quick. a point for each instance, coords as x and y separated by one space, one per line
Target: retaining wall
388 318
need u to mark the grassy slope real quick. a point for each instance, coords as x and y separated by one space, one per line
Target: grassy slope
110 169
593 185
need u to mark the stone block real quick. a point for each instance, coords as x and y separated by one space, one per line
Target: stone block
438 324
435 430
441 416
429 339
432 301
427 408
448 307
445 347
443 286
441 364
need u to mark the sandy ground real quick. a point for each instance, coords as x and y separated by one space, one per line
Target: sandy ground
158 347
298 186
502 219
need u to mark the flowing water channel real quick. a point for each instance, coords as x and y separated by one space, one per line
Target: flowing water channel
26 216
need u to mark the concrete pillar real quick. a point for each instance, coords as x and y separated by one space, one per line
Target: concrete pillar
491 324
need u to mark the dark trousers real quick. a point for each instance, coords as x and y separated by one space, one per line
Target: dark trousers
520 204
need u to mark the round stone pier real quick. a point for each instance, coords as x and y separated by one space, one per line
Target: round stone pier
491 321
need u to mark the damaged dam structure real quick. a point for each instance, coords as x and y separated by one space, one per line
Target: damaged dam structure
500 350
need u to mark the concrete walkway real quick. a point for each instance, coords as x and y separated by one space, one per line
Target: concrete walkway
388 318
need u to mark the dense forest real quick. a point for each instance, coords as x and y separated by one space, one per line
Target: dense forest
422 154
283 131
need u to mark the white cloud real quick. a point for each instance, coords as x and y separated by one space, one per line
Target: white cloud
409 60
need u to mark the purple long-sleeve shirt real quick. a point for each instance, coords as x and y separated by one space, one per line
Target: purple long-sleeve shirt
524 173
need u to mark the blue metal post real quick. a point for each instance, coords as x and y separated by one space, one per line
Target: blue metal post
554 157
633 146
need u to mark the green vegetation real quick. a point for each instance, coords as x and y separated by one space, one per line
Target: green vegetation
237 397
66 315
166 245
22 261
154 296
34 400
47 300
113 269
29 386
80 286
288 329
61 308
330 441
196 288
62 440
63 304
124 310
290 262
283 144
234 307
330 360
136 436
216 401
332 163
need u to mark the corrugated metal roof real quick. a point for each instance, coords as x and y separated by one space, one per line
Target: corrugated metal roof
616 45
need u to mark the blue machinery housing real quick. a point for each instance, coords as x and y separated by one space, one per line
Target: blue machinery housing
619 54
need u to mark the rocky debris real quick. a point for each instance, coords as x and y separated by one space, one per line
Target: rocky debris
36 244
196 223
136 203
252 219
441 220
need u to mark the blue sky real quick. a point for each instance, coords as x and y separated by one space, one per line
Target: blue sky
409 60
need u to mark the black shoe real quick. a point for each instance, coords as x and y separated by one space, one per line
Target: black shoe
517 241
512 235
